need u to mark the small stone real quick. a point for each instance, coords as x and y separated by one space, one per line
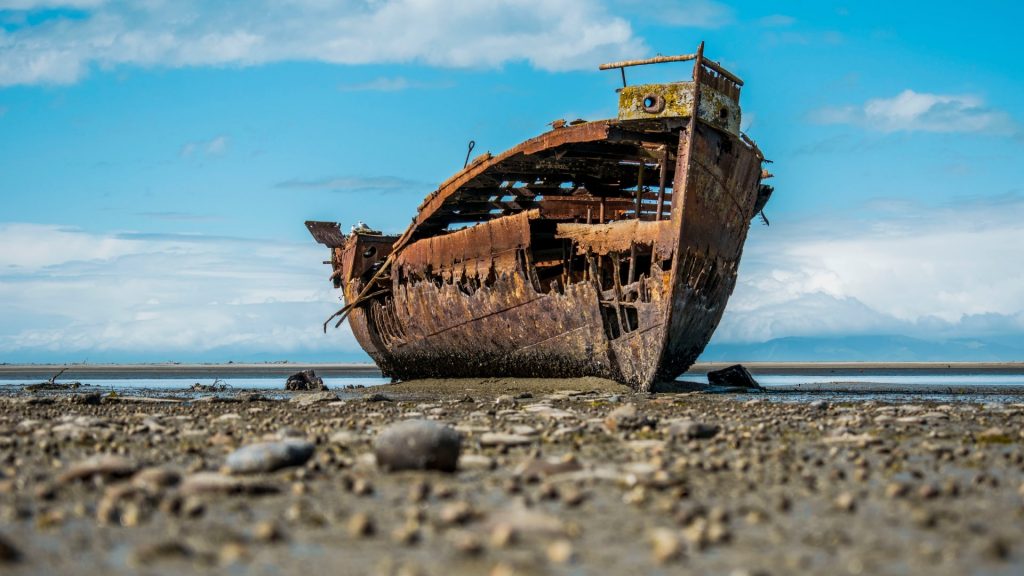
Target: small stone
508 440
502 536
691 429
306 381
378 397
407 534
361 525
928 491
846 502
362 487
214 483
466 542
267 531
418 445
897 490
269 456
666 545
106 466
561 552
232 552
476 462
456 513
9 554
313 398
155 478
537 468
735 376
994 435
146 554
626 418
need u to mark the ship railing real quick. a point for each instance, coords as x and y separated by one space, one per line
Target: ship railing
714 73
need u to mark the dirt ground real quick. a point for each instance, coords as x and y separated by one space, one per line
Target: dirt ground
555 477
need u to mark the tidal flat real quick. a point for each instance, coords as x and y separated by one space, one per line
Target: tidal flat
553 477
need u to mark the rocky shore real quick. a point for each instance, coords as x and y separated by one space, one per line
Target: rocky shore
550 477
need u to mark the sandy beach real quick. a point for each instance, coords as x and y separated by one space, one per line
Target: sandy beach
553 477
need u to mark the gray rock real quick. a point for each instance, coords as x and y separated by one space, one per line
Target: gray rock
418 445
315 398
691 429
307 380
9 554
735 376
627 418
269 456
214 483
107 466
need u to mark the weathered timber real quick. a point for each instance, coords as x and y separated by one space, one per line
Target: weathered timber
605 248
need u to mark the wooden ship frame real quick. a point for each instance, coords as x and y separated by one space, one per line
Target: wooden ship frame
605 248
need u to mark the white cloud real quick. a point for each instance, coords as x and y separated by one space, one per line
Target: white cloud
911 111
549 34
216 146
685 13
910 270
71 294
38 4
381 184
391 84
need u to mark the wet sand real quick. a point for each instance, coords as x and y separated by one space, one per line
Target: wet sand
555 477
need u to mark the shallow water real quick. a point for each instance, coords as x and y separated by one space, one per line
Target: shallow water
904 387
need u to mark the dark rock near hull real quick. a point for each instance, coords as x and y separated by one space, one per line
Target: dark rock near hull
735 376
307 380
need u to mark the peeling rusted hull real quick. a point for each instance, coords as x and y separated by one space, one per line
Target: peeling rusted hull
604 249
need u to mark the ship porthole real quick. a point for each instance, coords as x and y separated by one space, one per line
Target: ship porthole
370 252
723 114
653 103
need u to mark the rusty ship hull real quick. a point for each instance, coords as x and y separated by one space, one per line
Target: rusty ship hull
605 248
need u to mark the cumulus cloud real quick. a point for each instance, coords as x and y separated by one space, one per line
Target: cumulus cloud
549 34
911 111
920 271
216 146
382 184
72 294
391 84
685 13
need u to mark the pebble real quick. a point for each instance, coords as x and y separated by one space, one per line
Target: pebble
846 502
693 430
561 552
361 525
536 468
216 483
459 512
313 398
666 545
626 418
269 456
499 439
106 466
418 445
267 531
466 542
9 553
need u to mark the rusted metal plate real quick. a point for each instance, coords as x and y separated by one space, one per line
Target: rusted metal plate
326 233
603 248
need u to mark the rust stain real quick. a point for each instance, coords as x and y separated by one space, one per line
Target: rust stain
605 248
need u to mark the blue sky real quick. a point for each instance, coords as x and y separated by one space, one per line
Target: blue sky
158 159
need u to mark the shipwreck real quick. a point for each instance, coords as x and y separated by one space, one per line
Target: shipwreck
600 248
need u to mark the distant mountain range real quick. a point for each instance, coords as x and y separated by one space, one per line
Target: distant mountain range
882 348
